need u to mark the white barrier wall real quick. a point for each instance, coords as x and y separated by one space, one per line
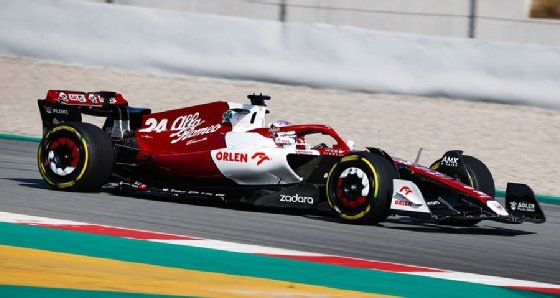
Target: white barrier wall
174 42
497 20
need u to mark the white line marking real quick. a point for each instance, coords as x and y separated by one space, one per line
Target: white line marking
238 247
486 279
21 218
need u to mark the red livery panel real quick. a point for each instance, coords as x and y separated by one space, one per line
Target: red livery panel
191 129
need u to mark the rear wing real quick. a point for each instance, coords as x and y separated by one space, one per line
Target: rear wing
68 106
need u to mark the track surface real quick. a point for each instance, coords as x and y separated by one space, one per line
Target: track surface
526 251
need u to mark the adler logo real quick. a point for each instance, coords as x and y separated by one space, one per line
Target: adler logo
296 199
522 206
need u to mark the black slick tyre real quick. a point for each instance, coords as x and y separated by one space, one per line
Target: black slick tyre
479 177
359 188
75 156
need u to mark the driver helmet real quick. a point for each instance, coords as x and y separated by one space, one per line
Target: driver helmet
274 125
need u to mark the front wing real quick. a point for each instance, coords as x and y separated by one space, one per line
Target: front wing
521 204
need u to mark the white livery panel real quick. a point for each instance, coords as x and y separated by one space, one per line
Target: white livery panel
407 197
264 166
252 159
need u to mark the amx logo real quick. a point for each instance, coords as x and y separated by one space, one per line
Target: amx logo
449 161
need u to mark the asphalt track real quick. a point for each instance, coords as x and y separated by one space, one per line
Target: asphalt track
526 251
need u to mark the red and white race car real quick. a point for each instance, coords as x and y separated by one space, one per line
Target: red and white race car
226 151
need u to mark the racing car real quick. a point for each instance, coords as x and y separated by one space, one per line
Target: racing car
226 151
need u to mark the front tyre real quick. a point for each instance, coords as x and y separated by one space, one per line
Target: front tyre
359 188
478 176
75 156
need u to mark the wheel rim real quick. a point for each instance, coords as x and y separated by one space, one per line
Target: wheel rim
353 187
63 156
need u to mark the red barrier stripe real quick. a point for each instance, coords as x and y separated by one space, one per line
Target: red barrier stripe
358 263
112 231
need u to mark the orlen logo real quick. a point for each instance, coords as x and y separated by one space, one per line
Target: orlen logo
261 157
405 190
296 199
230 156
403 203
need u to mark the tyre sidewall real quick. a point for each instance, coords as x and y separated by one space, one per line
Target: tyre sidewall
374 208
96 157
52 178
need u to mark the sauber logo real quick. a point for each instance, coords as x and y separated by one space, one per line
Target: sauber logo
261 156
405 190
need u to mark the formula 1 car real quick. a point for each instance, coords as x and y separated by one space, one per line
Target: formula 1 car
225 151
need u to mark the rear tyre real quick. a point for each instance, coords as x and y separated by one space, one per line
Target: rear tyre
76 156
479 177
359 188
